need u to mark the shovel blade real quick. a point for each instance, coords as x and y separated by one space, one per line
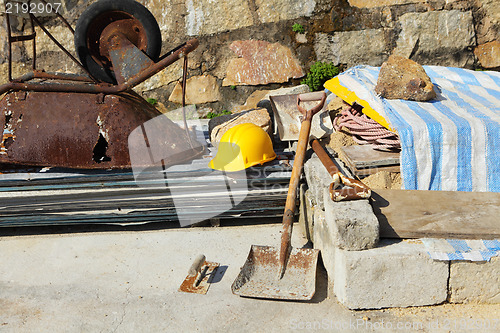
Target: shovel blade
259 276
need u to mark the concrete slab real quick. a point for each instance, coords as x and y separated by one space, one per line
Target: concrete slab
475 281
395 274
127 281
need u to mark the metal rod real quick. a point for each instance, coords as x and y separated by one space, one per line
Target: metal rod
33 33
164 62
184 78
9 37
184 83
61 76
324 158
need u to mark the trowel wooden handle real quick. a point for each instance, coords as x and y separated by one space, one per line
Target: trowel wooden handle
197 264
313 96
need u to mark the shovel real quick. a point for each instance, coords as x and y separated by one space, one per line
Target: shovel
284 273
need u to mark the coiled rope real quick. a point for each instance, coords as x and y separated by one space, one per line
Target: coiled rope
365 130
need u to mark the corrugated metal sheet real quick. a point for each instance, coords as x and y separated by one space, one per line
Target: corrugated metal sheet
58 196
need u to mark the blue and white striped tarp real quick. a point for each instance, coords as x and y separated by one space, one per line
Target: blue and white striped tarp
459 249
451 143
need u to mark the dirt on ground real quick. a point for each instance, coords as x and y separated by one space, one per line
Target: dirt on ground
384 180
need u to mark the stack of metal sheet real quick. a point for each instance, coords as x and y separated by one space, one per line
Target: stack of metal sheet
53 197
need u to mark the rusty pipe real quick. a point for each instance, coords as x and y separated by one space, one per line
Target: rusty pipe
355 190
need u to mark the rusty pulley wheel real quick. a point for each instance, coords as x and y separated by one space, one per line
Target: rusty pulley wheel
101 20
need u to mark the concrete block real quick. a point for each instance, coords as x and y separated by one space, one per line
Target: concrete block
475 281
395 274
317 179
306 212
323 241
351 225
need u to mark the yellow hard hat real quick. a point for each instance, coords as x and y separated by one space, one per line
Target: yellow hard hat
241 147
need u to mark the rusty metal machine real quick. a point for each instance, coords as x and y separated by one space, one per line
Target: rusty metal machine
83 120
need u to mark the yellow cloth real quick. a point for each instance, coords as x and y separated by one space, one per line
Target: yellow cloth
350 97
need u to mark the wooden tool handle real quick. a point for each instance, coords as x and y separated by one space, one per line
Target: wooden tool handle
291 197
298 163
196 266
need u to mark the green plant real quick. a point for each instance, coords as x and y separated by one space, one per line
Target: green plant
233 87
211 115
318 74
152 101
298 28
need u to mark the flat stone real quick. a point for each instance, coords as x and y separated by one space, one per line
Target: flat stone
472 282
367 47
252 101
301 38
168 75
351 225
219 125
402 78
394 274
206 17
199 90
167 15
192 112
281 10
45 44
261 62
437 37
488 54
488 26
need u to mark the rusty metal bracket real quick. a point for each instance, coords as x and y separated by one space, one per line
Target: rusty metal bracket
342 187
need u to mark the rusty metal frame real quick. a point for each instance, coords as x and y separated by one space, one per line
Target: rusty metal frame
86 83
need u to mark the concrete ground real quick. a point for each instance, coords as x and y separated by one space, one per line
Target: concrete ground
123 280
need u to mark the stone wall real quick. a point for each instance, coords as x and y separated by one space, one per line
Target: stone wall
248 45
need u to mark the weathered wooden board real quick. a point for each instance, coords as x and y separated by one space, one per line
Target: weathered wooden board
364 156
437 214
370 171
